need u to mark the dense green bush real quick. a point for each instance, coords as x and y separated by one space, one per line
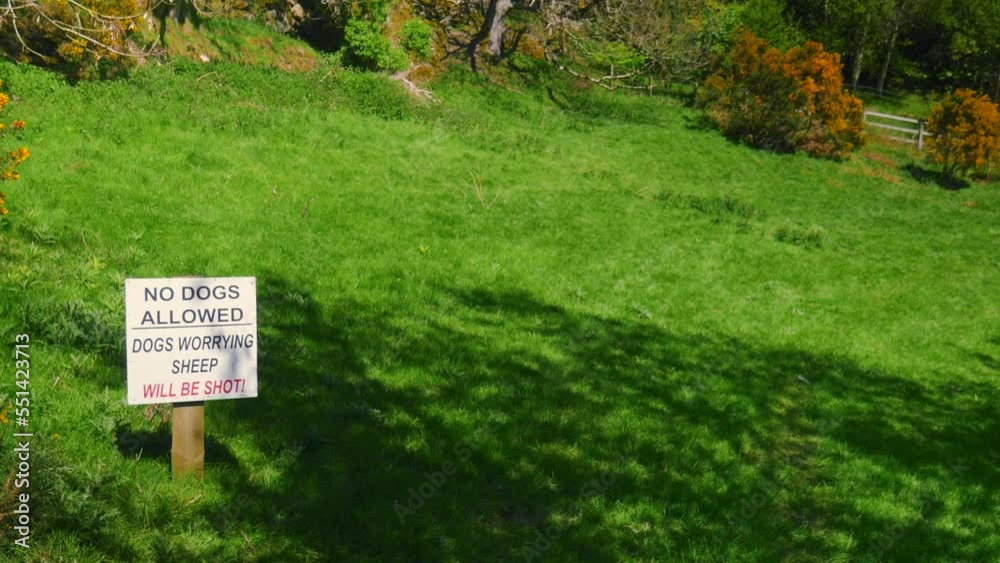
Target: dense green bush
369 49
415 37
375 95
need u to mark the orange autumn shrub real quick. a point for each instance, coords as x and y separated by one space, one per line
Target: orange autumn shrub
784 101
9 160
966 132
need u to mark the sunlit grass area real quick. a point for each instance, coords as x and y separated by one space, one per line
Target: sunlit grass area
560 326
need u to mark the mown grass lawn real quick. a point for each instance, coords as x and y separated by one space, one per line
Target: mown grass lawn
634 341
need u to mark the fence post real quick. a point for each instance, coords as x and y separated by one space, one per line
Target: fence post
920 136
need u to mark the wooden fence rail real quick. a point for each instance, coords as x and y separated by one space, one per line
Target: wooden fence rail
915 134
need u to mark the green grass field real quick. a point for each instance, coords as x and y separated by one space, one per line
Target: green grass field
624 337
906 105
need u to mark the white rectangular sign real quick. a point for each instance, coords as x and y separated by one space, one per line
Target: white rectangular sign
191 339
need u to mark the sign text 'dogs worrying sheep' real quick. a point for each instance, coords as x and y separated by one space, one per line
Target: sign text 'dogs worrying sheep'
191 339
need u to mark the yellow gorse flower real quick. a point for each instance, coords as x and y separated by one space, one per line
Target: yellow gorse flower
9 161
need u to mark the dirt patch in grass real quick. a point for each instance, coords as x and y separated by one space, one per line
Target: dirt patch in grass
878 172
295 58
882 159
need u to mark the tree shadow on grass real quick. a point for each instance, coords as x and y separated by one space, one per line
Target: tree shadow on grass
701 121
157 445
925 176
489 425
601 106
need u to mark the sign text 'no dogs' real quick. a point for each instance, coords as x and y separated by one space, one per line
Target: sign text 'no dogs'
191 339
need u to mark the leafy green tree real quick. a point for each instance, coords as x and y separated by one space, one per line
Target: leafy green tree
851 27
770 20
899 16
702 40
975 45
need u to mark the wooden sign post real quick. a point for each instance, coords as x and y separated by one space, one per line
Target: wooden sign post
187 448
190 340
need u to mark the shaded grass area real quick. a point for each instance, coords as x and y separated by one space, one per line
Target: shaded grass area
639 352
